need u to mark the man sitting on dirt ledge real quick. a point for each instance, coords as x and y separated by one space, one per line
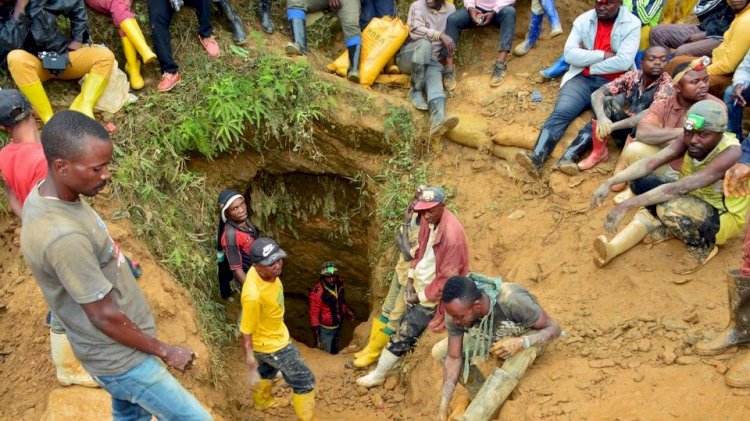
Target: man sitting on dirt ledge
88 285
601 46
692 208
486 315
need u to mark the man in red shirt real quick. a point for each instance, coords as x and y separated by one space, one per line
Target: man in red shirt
22 161
328 309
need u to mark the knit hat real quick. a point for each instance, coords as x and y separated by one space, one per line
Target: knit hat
226 197
430 197
266 252
14 107
708 115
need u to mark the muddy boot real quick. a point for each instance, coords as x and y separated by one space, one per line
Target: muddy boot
694 259
377 377
298 46
449 78
377 325
304 406
599 152
352 73
262 395
535 29
233 20
567 162
439 123
739 374
416 96
374 349
533 161
264 13
632 234
738 329
69 369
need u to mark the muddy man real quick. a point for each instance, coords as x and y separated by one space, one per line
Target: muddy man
692 208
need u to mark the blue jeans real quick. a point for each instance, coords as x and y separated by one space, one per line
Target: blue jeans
420 52
371 9
735 111
330 339
574 98
505 21
293 368
148 389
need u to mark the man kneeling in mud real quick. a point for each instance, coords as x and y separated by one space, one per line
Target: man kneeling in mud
693 208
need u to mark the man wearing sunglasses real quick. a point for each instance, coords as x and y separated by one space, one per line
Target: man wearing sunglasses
692 208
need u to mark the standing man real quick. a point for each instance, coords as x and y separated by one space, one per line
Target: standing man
265 337
601 46
476 14
88 285
328 309
444 254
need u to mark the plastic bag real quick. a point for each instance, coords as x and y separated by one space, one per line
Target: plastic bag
116 93
381 40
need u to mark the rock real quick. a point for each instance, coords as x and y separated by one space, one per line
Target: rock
377 401
391 383
692 317
522 95
626 354
633 364
516 215
688 360
638 377
675 325
710 306
78 403
601 363
646 318
721 366
644 345
586 352
693 338
282 402
741 392
668 356
361 390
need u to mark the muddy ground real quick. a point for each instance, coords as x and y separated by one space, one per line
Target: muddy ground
627 352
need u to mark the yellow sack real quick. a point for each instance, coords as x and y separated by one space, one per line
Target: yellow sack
381 40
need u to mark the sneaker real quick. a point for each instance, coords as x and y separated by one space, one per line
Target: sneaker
211 46
449 79
498 73
168 81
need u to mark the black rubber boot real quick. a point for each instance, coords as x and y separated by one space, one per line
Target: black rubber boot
568 163
533 161
352 73
233 20
264 13
298 46
416 96
439 123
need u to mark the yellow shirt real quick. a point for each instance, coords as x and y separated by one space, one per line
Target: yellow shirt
263 313
729 54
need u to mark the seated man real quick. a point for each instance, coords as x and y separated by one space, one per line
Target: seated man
618 107
729 54
600 48
375 9
696 40
160 16
491 315
348 13
737 95
478 13
692 208
328 309
420 58
30 29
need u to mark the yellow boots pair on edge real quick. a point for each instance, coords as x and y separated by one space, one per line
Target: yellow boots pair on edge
378 340
135 41
69 369
84 103
304 405
38 98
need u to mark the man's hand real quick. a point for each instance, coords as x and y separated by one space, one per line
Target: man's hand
448 43
737 94
601 193
252 364
508 347
695 37
609 54
736 179
614 218
488 16
410 295
582 45
334 4
74 45
179 358
603 128
475 15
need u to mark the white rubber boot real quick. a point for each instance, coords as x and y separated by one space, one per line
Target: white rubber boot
632 234
377 377
69 369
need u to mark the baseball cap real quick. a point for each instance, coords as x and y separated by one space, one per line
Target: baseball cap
328 269
708 115
430 197
14 107
265 252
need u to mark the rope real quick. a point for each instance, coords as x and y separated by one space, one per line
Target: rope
479 337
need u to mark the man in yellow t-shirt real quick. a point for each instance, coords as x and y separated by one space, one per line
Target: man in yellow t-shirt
265 337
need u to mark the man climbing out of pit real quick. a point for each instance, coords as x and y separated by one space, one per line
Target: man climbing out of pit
29 30
265 337
691 208
420 57
477 14
87 284
486 315
328 309
444 254
394 305
664 122
618 107
348 13
601 46
235 236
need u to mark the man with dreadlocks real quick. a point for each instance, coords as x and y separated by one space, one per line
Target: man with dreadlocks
485 315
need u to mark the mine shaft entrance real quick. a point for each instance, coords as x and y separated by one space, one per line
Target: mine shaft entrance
316 218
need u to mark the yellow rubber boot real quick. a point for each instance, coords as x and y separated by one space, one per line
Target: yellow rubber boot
375 348
69 369
377 325
304 406
133 31
645 39
262 395
91 90
38 98
631 235
132 65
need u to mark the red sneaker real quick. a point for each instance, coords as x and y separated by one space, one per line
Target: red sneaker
211 46
168 81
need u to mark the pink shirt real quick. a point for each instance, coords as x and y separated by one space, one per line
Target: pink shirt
494 5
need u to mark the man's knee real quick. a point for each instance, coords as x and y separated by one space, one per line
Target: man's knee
422 52
440 351
507 14
20 60
297 5
637 150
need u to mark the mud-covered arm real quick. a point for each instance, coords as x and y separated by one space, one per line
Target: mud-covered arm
547 330
451 371
13 201
649 128
629 122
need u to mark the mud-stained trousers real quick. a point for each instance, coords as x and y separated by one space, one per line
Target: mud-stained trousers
293 368
415 322
394 305
26 68
745 266
348 14
420 52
